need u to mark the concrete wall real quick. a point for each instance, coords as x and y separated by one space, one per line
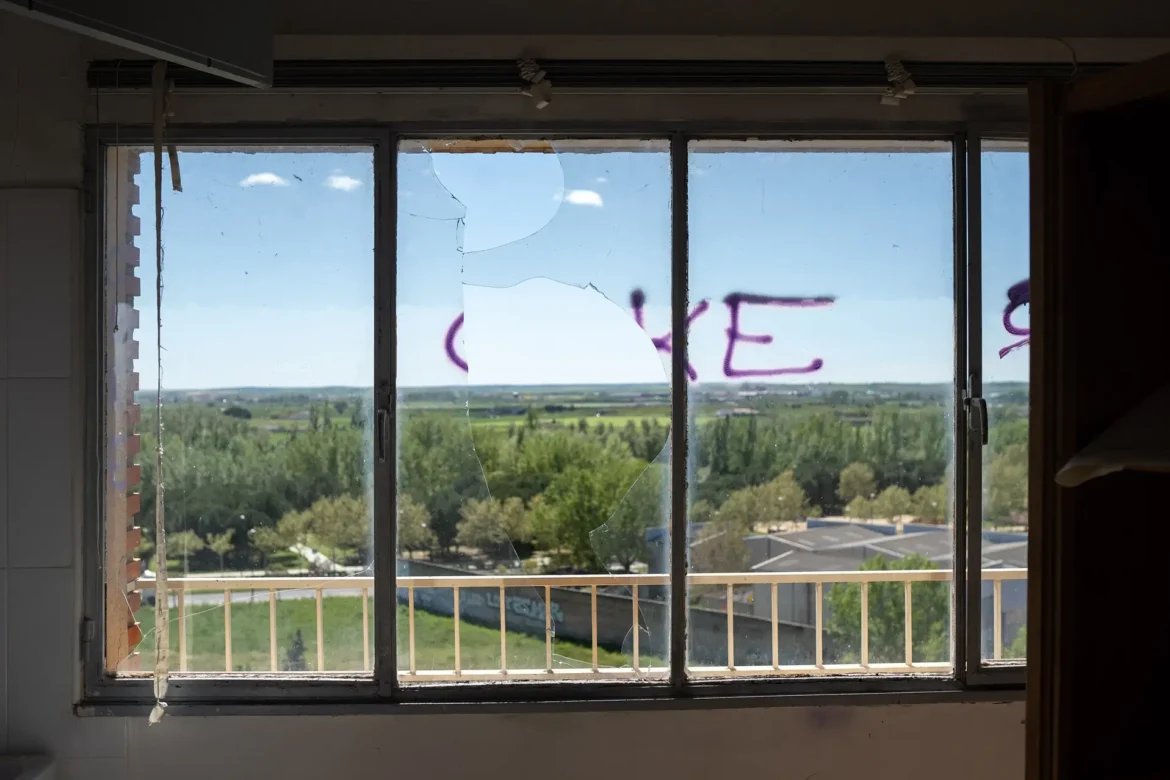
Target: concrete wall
42 107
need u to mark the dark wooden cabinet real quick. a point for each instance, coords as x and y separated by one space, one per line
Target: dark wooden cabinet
1100 553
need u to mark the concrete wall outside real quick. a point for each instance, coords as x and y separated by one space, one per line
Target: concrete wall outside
43 105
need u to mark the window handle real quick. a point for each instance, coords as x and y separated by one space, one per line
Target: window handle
382 421
977 418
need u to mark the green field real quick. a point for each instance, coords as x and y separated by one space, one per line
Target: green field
342 617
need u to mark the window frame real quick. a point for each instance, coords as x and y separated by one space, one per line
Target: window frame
381 690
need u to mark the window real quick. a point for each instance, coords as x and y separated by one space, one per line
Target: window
822 404
1005 353
418 405
266 409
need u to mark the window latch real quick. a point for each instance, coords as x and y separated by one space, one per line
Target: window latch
976 414
382 421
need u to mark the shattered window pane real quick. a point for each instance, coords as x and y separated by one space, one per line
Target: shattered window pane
267 392
533 409
1006 356
821 351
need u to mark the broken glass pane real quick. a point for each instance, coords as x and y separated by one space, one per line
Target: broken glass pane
533 409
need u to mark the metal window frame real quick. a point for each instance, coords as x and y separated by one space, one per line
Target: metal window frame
978 671
381 691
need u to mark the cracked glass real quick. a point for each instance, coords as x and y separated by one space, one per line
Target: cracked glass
266 376
533 409
822 367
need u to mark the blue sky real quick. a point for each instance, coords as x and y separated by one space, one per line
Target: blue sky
269 266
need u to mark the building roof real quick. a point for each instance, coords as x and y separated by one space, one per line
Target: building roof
934 545
1013 555
830 537
801 561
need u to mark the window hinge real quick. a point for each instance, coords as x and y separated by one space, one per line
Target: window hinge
88 633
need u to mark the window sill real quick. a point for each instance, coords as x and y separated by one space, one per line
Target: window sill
520 698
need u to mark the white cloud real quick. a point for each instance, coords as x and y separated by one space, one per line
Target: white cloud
601 180
580 198
339 181
267 178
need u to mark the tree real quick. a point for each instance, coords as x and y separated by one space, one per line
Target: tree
295 658
930 503
579 500
720 546
439 469
893 502
340 525
860 508
857 481
771 505
268 541
185 543
930 615
414 531
494 526
221 544
1019 645
1006 498
623 538
239 412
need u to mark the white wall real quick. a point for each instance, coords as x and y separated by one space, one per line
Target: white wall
42 107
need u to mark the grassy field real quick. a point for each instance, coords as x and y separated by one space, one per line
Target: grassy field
342 617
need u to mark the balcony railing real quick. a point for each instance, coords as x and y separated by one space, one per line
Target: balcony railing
634 582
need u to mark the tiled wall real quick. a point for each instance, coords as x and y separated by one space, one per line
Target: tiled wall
42 106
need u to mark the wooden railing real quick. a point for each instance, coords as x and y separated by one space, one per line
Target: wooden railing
634 582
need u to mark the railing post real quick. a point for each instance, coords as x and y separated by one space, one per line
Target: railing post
366 629
593 613
997 616
775 626
455 604
182 629
548 629
410 625
730 627
865 624
819 611
503 631
227 629
320 630
637 632
909 625
272 629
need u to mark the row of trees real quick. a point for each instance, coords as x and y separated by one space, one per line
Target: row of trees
238 495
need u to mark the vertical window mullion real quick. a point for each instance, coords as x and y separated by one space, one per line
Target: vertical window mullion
385 393
960 477
679 417
972 559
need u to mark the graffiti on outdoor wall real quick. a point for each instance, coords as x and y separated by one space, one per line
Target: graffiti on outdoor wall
734 302
474 601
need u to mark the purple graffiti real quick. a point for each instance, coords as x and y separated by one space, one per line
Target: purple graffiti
1017 295
734 335
449 343
662 343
